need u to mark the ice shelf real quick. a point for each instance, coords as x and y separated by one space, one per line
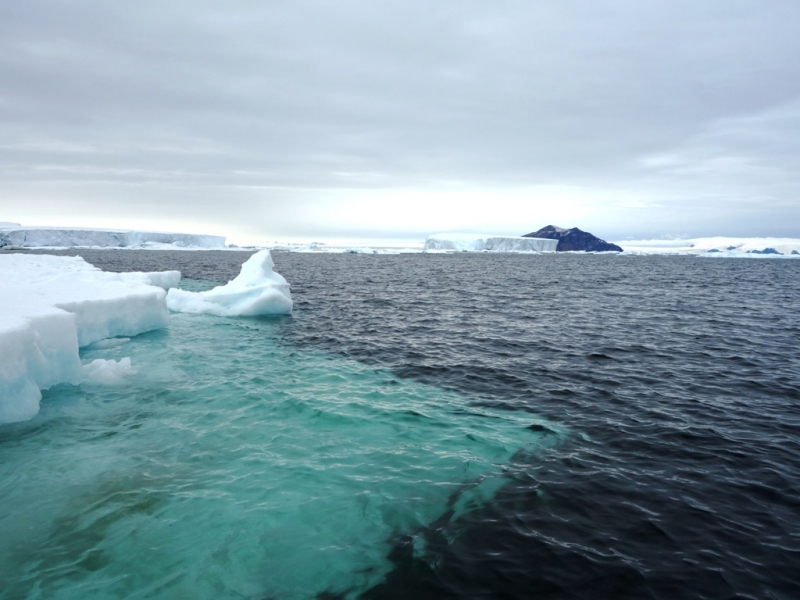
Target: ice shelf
56 237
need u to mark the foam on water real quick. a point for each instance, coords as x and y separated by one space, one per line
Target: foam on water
229 465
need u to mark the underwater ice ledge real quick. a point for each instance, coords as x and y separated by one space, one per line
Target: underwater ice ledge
233 465
51 306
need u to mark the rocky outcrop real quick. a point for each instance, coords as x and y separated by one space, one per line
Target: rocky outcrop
574 240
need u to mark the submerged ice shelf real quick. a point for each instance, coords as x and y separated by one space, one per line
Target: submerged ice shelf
228 464
233 465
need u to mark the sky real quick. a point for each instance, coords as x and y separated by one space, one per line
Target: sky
389 119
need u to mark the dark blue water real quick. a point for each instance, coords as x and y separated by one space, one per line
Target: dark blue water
678 379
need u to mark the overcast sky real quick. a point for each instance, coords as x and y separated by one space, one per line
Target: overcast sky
319 120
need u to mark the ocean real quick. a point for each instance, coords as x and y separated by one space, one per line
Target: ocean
428 426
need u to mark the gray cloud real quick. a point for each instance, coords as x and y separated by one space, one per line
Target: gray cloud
688 111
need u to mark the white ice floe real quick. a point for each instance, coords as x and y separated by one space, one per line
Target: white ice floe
12 234
257 290
53 305
471 242
717 247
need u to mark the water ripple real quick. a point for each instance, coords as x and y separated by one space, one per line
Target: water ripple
679 379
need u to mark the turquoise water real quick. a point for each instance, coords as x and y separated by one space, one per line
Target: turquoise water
232 466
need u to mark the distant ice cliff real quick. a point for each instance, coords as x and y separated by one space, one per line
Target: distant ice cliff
470 242
718 247
49 237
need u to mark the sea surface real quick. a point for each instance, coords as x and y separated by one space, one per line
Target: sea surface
428 426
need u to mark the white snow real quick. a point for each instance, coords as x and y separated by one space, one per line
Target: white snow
471 242
12 234
53 305
257 290
716 247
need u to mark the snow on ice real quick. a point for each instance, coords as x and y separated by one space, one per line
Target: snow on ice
257 290
53 305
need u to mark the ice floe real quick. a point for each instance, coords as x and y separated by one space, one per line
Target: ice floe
53 305
257 290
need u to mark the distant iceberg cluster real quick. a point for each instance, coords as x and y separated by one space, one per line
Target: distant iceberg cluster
53 305
718 247
257 290
15 235
470 242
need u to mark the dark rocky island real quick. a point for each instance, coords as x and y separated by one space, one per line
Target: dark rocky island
574 240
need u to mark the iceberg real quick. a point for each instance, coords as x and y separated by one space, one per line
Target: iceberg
470 242
12 234
257 290
53 305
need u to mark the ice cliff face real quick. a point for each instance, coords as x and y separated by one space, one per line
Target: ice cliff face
466 242
48 237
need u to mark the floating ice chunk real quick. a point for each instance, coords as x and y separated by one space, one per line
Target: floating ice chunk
51 306
108 372
257 290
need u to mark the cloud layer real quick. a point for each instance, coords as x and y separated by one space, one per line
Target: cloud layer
394 118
